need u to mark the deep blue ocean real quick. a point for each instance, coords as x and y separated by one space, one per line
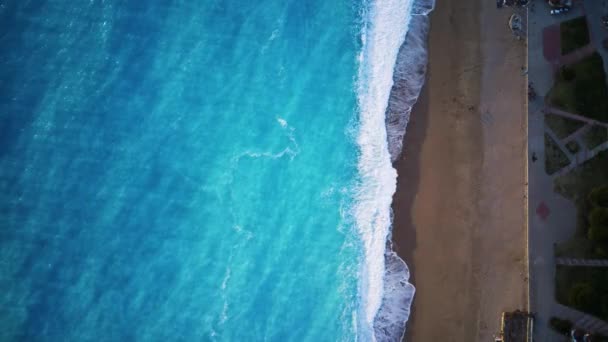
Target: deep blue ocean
195 170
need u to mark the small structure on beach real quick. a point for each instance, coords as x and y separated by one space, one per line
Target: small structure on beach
511 3
516 326
516 25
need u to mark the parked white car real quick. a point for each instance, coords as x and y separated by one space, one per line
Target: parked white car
560 10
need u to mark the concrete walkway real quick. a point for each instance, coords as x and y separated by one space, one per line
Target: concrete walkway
582 262
556 111
581 319
577 135
552 219
575 56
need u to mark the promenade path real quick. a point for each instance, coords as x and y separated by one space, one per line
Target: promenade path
552 217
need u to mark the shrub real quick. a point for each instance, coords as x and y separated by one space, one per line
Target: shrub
567 74
598 217
598 224
598 234
562 326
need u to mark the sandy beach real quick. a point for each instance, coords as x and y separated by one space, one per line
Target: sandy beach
460 207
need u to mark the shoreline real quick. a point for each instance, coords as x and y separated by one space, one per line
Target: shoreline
459 206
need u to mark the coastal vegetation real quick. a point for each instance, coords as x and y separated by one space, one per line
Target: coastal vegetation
583 288
581 89
574 34
587 186
561 126
555 158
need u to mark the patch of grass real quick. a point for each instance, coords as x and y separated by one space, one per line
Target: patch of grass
595 136
583 288
574 34
573 147
578 183
577 247
561 126
581 89
555 158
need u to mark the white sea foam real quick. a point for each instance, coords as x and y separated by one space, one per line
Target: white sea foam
409 76
386 294
383 33
282 122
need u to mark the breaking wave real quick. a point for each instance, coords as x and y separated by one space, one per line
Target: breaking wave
392 66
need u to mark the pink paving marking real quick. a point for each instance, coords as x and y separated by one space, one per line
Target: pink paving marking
543 211
552 49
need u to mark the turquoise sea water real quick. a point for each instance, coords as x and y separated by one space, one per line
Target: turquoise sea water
193 170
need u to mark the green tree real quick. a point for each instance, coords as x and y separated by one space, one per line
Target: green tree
599 196
598 234
582 296
567 74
